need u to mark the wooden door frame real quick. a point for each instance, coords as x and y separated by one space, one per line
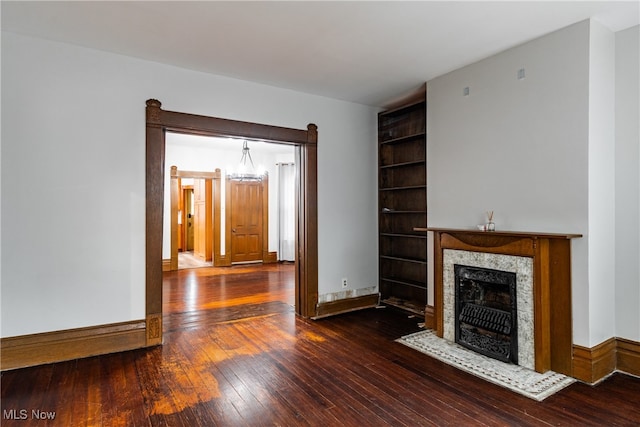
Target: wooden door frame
158 122
175 194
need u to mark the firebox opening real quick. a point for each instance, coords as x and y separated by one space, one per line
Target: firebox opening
486 312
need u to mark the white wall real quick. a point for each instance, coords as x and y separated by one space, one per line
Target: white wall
517 147
558 151
601 258
73 178
627 218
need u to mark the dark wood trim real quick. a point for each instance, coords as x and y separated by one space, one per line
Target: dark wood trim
154 329
307 225
265 218
592 364
158 122
438 287
346 305
430 317
49 347
541 310
154 196
194 124
500 234
559 302
628 356
551 255
270 257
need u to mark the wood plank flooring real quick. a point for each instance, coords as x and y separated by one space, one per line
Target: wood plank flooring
235 354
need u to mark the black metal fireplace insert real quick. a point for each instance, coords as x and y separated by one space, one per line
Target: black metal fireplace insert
486 312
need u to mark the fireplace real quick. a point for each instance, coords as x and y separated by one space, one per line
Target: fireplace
485 277
542 263
486 312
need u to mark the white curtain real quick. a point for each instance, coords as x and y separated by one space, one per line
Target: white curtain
286 212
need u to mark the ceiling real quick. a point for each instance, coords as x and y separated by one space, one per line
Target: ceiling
257 148
365 52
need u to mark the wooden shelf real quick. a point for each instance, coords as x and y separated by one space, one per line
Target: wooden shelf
402 212
528 234
404 164
410 187
404 259
403 139
404 282
402 200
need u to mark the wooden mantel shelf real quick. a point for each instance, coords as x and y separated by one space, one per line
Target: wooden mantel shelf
529 234
551 253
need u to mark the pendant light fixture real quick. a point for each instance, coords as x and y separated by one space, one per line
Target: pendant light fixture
246 171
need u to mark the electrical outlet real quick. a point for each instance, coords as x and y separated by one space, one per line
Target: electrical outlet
344 282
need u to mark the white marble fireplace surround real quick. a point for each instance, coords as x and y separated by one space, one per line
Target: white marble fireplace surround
522 266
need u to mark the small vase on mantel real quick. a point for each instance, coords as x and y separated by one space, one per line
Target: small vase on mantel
491 226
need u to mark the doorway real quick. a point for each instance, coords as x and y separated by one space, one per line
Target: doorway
246 221
192 200
185 229
158 122
233 220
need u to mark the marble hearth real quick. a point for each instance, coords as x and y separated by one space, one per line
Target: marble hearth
542 263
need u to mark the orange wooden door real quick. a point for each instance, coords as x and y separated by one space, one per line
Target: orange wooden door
202 219
246 221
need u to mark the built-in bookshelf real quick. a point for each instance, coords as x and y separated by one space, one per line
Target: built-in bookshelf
402 197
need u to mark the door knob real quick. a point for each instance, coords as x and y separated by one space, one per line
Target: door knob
233 229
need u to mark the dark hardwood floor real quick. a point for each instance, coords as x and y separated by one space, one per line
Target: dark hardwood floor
235 354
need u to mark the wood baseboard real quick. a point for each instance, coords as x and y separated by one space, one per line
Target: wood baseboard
430 317
346 305
591 365
166 264
628 356
269 257
49 347
221 260
153 329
